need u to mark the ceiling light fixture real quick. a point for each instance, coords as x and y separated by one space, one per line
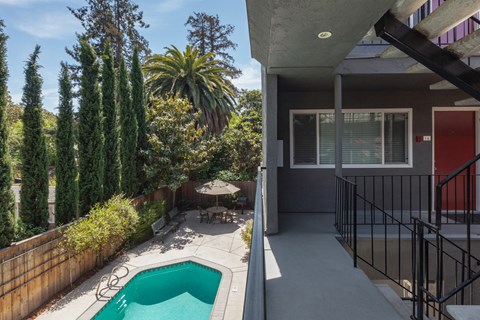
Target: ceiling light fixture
325 35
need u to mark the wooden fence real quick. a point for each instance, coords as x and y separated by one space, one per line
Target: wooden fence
34 270
187 192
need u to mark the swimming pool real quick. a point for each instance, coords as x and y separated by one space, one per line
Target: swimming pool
180 291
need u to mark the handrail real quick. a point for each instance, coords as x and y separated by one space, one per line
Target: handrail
458 171
421 270
254 304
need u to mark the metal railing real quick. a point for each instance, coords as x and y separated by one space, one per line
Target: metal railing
254 306
441 271
402 196
445 273
378 233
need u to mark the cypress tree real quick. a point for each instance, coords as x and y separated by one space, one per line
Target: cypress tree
110 125
138 103
34 191
7 202
90 135
128 135
66 169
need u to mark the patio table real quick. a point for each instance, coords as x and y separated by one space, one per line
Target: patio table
215 211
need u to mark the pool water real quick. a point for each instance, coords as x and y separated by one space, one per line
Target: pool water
180 291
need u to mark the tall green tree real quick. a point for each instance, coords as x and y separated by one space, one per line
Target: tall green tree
110 126
66 205
34 191
128 135
114 21
7 202
138 104
176 148
198 78
90 134
208 35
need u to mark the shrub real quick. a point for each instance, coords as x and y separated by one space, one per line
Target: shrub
247 233
148 215
108 225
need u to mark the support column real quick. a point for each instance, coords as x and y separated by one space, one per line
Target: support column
269 141
338 125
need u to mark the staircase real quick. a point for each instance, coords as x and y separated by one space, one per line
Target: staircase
448 31
433 270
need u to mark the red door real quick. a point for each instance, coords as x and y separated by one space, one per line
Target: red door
455 144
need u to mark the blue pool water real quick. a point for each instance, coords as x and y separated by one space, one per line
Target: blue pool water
183 291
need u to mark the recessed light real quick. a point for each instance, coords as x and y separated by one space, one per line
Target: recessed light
325 35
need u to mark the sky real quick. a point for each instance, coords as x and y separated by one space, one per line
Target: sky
50 24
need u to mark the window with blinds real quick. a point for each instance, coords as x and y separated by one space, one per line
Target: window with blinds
369 138
362 138
305 139
396 138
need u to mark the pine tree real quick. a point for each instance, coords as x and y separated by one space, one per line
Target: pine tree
34 191
114 21
208 35
110 126
138 104
66 205
90 135
7 202
128 135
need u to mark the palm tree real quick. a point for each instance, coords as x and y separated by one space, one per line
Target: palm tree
198 78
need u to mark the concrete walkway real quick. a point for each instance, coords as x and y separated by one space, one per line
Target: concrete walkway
310 276
219 243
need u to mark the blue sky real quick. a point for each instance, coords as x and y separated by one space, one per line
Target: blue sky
50 24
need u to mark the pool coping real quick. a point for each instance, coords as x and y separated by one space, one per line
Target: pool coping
219 306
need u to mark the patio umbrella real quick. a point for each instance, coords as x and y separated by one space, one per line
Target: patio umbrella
216 188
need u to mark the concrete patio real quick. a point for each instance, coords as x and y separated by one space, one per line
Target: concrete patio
311 276
219 243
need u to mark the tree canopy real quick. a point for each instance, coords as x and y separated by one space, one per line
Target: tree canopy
198 78
7 204
90 133
176 147
208 35
66 199
34 191
114 21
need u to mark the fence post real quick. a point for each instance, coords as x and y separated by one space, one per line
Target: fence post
355 225
420 236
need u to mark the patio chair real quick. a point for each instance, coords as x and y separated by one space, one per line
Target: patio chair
230 214
203 214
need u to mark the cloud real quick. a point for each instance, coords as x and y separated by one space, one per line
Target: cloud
51 25
171 5
251 76
25 3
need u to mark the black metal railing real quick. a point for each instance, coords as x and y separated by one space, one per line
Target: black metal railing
445 273
375 236
431 269
346 213
412 196
255 304
402 196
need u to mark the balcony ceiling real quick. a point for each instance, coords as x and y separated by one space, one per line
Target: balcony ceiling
284 33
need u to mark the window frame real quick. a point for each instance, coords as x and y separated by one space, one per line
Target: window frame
383 111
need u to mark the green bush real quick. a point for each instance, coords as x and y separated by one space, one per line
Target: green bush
247 233
25 231
107 225
148 215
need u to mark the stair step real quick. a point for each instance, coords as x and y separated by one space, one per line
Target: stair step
464 312
403 307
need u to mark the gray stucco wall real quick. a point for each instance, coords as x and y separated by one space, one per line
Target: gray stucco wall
312 190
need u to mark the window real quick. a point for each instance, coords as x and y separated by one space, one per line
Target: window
371 138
